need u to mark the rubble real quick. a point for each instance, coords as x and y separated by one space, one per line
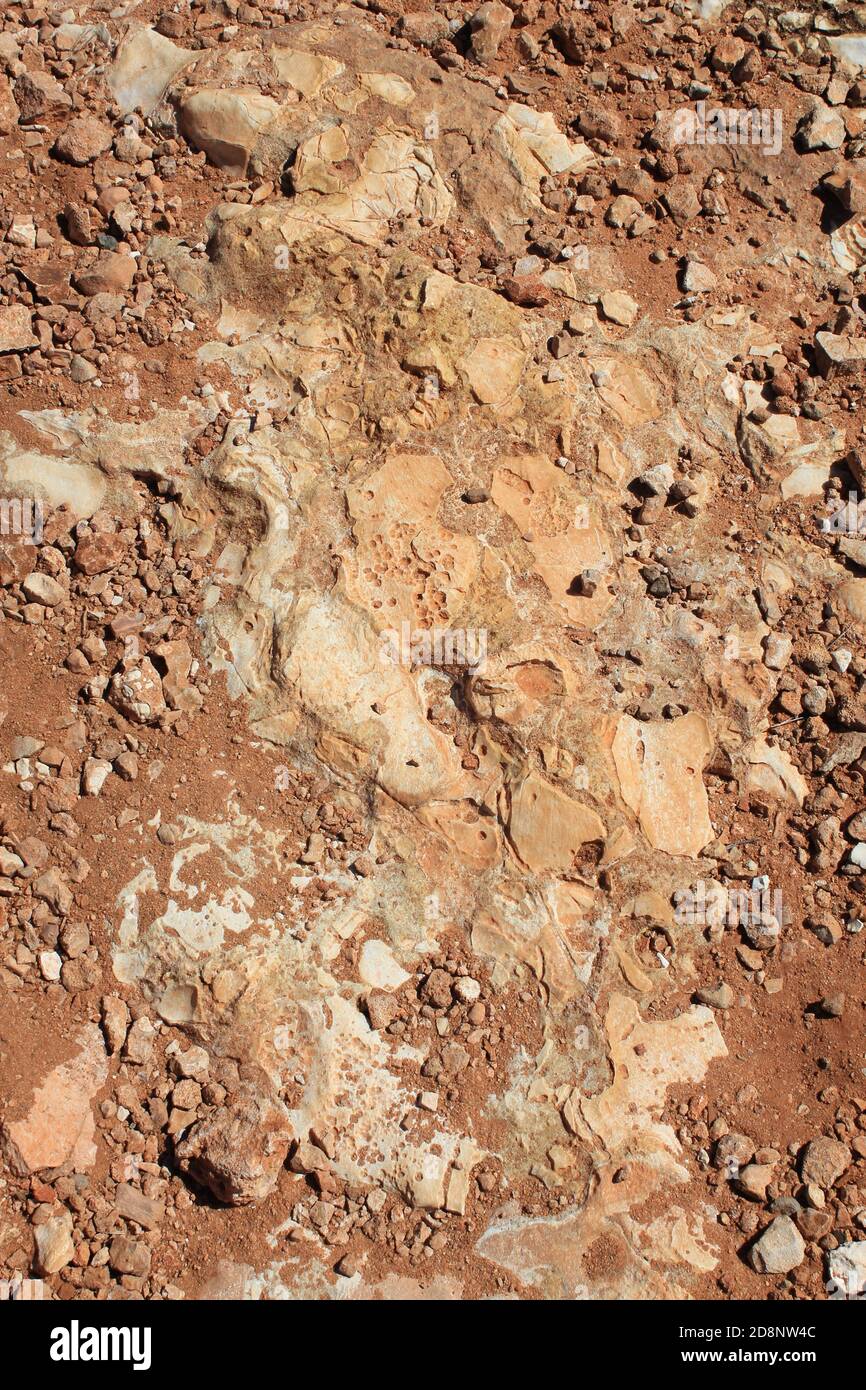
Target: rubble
238 1152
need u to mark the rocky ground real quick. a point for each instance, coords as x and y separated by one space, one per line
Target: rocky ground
336 963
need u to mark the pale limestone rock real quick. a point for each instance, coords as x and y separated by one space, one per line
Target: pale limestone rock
379 968
822 129
115 1022
388 465
138 1047
310 171
54 1245
840 354
536 145
619 307
387 86
770 769
488 27
60 1125
460 1178
493 369
143 67
41 588
848 245
49 965
659 769
623 1119
93 778
847 1270
227 125
306 72
697 278
394 521
627 1110
624 389
547 828
851 47
415 762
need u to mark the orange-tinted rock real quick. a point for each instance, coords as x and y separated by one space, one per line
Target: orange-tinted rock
238 1151
83 140
98 553
59 1126
111 274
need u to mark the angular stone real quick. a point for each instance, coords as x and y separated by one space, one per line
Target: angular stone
822 129
83 140
697 278
111 273
139 1041
839 354
619 307
16 330
487 28
753 1180
144 65
127 1256
425 27
847 1270
94 776
226 124
722 997
379 967
41 588
733 1151
382 1008
54 1245
115 1022
9 111
52 889
38 95
824 1161
779 1249
238 1151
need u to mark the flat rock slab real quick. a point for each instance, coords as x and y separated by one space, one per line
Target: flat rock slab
60 1125
16 330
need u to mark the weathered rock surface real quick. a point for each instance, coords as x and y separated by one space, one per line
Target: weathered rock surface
60 1123
238 1151
779 1249
438 645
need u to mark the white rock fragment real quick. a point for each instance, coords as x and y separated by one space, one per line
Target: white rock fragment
93 778
379 968
822 129
467 990
777 650
779 1249
49 965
